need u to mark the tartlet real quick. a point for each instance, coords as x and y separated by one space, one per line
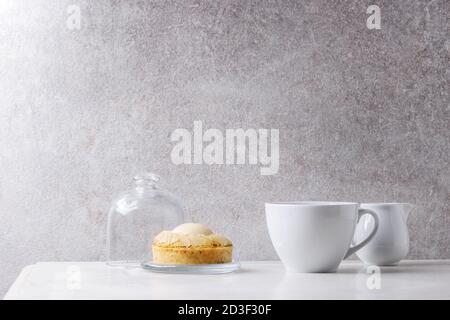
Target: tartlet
191 243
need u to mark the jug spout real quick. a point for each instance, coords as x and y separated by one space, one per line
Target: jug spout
407 208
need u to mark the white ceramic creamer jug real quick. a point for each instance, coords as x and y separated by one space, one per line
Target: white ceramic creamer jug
391 243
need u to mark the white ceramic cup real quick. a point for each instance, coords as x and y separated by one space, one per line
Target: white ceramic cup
315 236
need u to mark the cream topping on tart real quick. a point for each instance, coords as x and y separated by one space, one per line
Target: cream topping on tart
192 228
191 235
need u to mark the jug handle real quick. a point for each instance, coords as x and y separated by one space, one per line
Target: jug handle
408 207
358 246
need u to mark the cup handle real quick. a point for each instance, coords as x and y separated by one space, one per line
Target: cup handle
355 248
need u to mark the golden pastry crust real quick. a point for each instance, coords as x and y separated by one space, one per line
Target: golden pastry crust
192 255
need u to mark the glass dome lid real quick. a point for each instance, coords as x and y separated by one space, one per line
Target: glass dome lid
136 217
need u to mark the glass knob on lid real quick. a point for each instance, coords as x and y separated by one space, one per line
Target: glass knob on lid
147 179
136 216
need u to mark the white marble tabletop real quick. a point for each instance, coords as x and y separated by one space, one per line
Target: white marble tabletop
424 279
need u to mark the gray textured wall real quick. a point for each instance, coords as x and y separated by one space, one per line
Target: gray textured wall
363 114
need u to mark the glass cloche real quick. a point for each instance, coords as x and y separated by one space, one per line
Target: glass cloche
136 217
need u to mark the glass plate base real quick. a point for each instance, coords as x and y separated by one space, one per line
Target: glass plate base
192 268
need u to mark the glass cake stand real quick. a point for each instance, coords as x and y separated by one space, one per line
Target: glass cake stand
140 213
